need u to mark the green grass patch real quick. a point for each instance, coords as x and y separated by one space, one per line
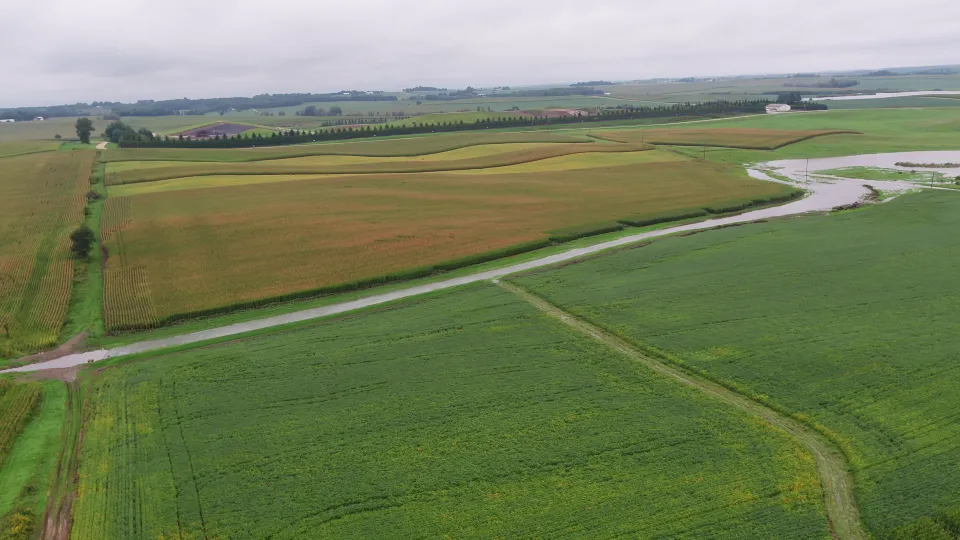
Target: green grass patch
85 312
405 422
29 468
881 130
846 321
873 173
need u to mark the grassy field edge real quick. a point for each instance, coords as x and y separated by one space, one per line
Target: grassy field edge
28 474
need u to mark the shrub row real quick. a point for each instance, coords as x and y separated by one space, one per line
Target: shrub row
753 202
296 137
562 236
679 215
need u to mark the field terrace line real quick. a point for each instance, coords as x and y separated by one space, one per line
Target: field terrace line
823 196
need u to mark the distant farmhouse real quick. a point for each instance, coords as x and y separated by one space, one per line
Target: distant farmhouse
775 108
7 120
38 119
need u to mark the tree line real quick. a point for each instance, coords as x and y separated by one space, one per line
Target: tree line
709 108
169 107
471 92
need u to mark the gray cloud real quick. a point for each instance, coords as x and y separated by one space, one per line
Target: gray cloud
59 51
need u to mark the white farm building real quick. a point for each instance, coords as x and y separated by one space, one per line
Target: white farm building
775 108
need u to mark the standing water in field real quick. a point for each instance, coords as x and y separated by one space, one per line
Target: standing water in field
884 95
796 168
823 195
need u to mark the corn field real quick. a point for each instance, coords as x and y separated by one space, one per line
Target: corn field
42 197
17 403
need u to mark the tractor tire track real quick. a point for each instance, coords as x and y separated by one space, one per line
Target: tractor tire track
842 513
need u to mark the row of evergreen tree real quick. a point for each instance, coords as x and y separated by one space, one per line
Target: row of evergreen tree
709 108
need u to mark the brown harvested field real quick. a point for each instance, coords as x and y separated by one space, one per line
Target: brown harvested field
403 146
41 202
756 139
217 129
189 251
284 166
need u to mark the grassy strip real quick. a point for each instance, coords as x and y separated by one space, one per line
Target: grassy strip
85 313
64 480
712 211
26 477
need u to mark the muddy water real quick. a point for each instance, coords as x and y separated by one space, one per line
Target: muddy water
796 168
823 195
884 95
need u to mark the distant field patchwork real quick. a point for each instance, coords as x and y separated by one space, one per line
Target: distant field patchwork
759 139
330 165
468 414
401 146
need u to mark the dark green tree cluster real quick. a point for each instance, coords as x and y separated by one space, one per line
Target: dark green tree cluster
124 135
796 102
82 240
313 110
84 128
706 109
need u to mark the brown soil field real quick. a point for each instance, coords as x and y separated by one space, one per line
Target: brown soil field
510 157
758 139
195 250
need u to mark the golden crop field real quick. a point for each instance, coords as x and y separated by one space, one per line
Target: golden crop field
195 250
759 139
474 151
41 202
304 166
400 146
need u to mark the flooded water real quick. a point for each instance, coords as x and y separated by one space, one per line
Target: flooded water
884 95
823 195
796 168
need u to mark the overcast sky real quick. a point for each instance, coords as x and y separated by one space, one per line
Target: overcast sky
64 51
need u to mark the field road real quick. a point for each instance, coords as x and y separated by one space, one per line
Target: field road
842 513
102 146
822 196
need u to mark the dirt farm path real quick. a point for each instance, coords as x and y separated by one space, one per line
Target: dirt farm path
102 145
842 514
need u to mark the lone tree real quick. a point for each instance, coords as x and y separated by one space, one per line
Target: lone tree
83 240
84 129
